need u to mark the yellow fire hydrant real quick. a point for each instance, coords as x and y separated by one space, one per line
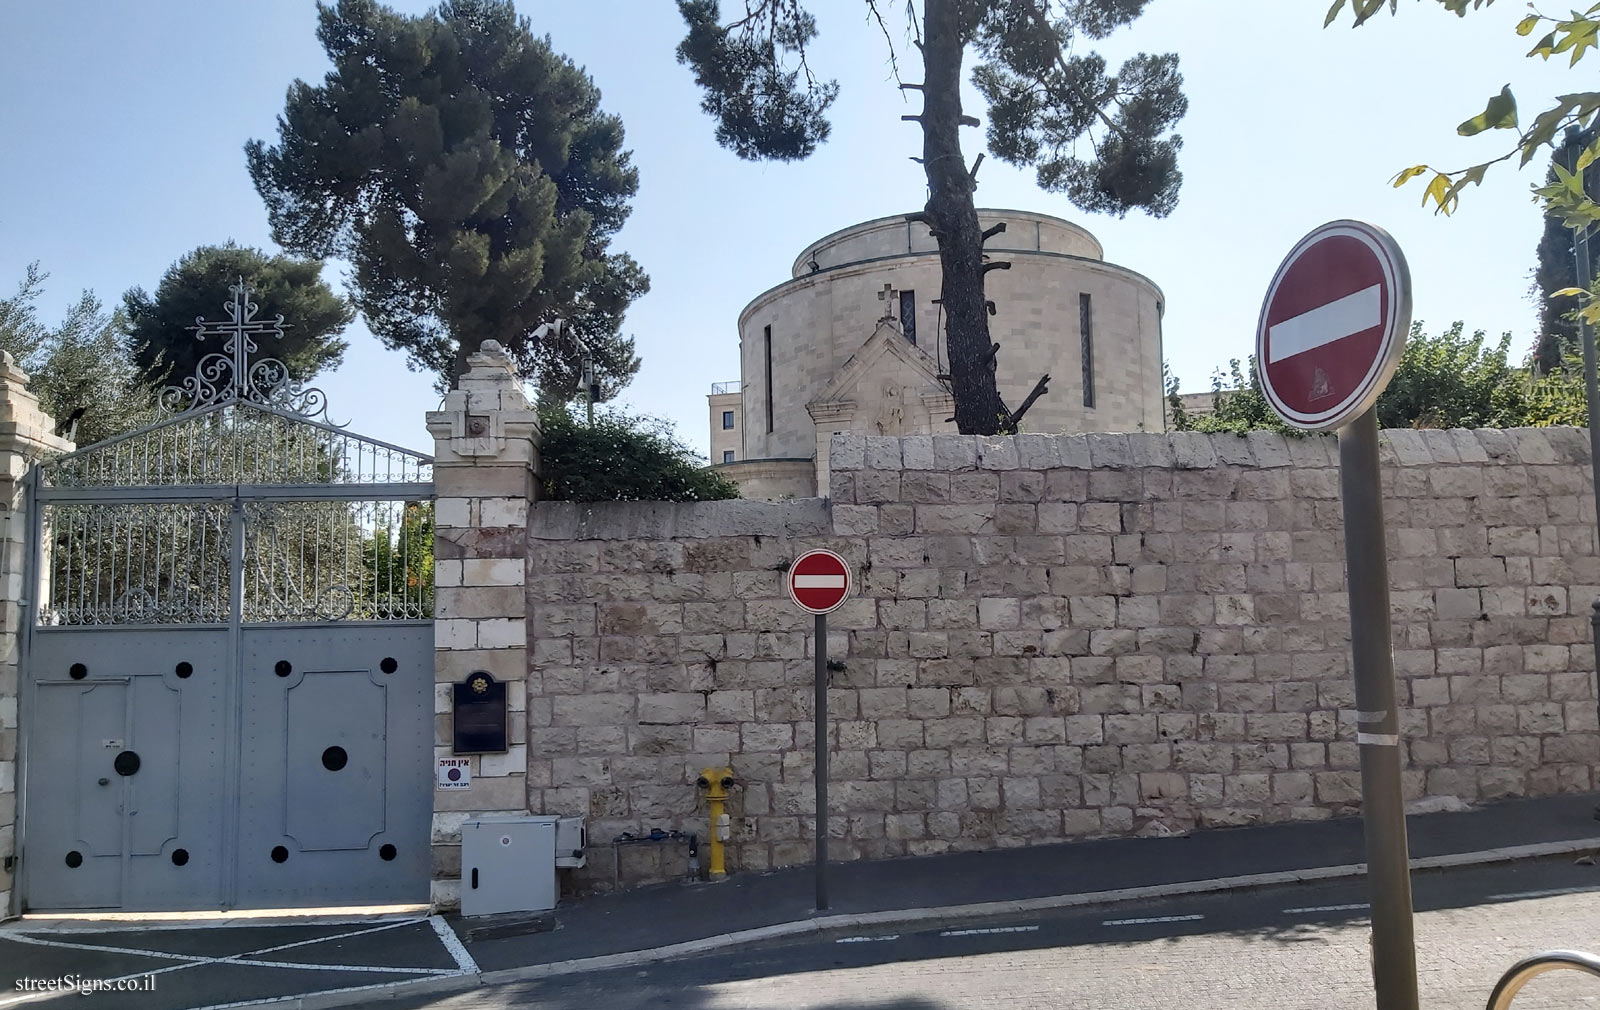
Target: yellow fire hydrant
715 783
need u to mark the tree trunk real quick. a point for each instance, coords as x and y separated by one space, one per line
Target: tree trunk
953 217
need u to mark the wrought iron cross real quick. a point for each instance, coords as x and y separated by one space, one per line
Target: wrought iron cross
234 375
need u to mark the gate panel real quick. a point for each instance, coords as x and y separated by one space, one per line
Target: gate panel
335 798
227 668
133 750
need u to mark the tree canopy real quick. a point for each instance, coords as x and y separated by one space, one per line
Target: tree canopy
160 327
1447 380
81 364
1103 139
1555 269
467 172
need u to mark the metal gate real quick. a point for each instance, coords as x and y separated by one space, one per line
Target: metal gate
227 672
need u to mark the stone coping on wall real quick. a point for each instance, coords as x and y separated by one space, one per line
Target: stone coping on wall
800 517
1189 450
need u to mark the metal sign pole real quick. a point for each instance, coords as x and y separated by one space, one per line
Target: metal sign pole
1394 956
821 651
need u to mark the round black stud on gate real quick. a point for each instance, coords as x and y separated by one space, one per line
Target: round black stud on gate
184 670
280 854
126 763
180 857
386 852
334 758
74 859
282 668
78 671
388 665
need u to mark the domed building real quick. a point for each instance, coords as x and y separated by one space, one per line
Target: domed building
853 341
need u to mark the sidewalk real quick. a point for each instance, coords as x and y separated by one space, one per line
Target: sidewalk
702 915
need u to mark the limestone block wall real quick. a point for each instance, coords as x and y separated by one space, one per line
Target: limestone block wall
1063 636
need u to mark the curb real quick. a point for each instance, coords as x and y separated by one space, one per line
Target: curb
913 916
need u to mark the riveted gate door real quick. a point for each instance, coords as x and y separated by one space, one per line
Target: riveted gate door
228 671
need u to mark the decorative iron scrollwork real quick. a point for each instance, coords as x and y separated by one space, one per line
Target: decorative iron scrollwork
235 375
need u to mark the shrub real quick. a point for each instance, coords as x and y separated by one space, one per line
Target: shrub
622 458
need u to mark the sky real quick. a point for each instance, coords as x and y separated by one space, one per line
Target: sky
123 129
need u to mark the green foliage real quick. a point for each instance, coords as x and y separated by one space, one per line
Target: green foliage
1238 402
160 327
1557 396
400 558
622 458
1446 381
80 363
1453 381
1046 92
1563 195
1555 269
466 171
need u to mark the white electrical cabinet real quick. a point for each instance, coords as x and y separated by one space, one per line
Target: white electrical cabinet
508 864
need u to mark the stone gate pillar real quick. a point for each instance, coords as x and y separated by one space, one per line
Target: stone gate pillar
25 437
485 474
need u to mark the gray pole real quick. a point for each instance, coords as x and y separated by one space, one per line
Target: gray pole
821 651
1580 258
1394 956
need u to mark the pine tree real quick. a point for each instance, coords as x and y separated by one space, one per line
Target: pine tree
467 172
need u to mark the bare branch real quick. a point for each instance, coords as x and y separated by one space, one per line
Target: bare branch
917 159
894 65
973 174
910 87
1040 388
911 119
997 265
993 230
968 121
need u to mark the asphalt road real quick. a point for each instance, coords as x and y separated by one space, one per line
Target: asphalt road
1282 949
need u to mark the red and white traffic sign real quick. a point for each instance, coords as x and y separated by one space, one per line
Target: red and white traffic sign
820 581
1333 325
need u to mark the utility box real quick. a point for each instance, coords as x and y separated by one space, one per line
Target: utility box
508 864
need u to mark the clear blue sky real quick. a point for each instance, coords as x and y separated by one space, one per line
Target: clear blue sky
123 130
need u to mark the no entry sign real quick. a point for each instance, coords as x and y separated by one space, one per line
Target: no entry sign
819 581
1333 325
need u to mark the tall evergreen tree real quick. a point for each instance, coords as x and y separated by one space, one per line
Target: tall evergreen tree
1556 269
160 327
467 172
1103 139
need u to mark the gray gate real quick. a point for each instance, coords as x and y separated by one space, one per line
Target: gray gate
228 670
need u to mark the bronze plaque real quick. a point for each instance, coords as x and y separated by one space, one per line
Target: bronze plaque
480 715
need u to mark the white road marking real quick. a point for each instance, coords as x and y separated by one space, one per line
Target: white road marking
1552 892
1155 918
1327 908
819 581
247 958
867 939
986 932
1343 317
453 944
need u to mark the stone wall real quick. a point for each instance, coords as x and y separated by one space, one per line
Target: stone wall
1063 636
